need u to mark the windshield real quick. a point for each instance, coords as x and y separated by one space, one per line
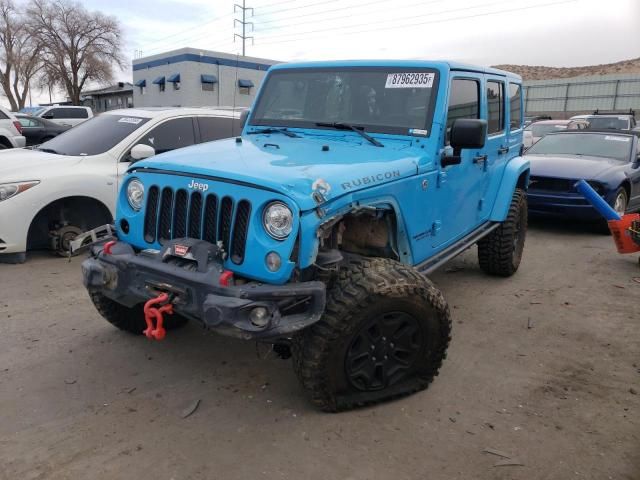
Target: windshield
608 123
384 100
94 136
617 147
540 130
31 110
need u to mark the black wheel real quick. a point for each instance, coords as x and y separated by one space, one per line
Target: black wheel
129 319
500 252
384 334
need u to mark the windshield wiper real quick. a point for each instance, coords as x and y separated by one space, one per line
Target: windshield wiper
275 130
347 126
49 150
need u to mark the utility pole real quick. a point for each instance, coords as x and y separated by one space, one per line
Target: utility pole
244 24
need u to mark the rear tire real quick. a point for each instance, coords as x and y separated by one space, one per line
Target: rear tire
129 319
500 252
384 334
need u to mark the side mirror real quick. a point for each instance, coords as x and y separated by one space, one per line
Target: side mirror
243 118
465 133
142 151
468 133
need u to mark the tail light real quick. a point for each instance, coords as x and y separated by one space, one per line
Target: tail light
18 126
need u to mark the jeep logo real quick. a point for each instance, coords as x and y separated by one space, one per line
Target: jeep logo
198 186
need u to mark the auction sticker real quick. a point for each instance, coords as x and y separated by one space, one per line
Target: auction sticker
410 80
132 120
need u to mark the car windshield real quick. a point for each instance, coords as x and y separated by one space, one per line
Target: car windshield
31 110
540 130
608 123
94 136
382 100
617 147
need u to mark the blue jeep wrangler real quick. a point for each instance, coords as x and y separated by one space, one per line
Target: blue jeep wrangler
314 230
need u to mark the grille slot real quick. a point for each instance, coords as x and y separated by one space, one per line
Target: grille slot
226 211
550 184
195 215
151 215
180 215
240 229
164 224
211 218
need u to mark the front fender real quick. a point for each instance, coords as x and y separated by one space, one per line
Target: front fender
513 173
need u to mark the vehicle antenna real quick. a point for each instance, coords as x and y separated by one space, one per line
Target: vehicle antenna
235 89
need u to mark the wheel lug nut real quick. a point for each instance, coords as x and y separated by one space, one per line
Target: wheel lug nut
373 358
373 347
385 357
391 345
384 339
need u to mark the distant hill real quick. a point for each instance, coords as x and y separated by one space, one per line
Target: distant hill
535 72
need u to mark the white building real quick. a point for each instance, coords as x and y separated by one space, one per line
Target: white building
189 77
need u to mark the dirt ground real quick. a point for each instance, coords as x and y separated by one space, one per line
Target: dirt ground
543 368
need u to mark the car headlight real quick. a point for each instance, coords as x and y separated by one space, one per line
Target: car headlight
278 220
135 194
8 190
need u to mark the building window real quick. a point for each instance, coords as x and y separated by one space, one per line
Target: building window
245 86
142 85
161 87
119 101
175 79
208 82
176 85
143 90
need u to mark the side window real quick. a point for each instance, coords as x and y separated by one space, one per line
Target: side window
56 113
515 102
77 113
495 107
464 101
215 128
3 116
176 133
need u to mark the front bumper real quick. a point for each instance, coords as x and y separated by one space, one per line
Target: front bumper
193 280
569 205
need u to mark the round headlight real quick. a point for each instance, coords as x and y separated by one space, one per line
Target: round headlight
135 194
278 220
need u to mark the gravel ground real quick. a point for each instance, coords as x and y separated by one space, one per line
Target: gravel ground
544 368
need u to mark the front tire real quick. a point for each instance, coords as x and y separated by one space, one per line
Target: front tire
129 319
620 201
384 334
500 252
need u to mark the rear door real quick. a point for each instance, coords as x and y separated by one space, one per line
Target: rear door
497 148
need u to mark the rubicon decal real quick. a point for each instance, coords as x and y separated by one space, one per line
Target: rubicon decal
368 180
198 186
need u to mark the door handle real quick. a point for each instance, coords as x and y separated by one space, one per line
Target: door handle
502 150
480 159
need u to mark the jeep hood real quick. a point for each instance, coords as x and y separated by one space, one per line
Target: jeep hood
19 164
292 166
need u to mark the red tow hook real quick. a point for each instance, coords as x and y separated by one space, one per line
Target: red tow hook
152 313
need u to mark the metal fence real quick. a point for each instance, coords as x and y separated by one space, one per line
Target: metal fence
562 98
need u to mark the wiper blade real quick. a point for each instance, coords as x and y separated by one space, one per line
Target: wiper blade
275 130
49 150
347 126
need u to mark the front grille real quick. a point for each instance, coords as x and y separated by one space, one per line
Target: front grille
549 184
195 215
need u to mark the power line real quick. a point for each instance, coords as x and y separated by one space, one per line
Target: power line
340 9
339 17
298 8
453 19
394 19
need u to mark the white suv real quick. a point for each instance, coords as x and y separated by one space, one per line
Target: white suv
10 131
69 184
66 115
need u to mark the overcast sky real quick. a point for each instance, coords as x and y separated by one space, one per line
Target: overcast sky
488 32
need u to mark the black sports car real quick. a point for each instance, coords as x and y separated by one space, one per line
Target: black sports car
39 130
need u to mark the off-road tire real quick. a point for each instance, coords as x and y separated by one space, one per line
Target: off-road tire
129 319
500 252
367 289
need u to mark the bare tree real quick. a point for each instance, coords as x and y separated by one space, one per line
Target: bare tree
78 46
20 54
